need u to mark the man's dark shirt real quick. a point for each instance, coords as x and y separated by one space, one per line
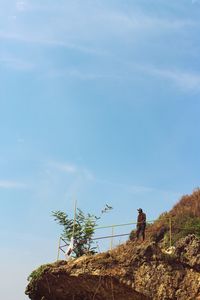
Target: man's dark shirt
141 220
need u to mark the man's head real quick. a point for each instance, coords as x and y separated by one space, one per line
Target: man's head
139 210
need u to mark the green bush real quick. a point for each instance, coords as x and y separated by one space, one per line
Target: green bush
36 274
183 225
82 231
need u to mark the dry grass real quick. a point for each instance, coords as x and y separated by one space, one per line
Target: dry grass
187 208
189 204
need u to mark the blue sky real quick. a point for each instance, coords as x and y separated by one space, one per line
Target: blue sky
99 101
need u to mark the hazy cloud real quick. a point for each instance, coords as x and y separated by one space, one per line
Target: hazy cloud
21 5
15 63
71 168
10 184
64 167
183 79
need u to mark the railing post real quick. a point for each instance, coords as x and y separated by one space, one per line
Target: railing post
170 232
111 241
58 249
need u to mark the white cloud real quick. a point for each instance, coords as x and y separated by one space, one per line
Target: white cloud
20 140
138 21
73 169
21 5
79 25
50 42
184 80
15 63
83 75
88 174
138 189
134 189
63 180
9 184
13 17
64 167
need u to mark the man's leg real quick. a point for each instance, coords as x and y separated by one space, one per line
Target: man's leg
138 232
143 232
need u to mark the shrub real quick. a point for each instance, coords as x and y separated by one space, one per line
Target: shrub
82 231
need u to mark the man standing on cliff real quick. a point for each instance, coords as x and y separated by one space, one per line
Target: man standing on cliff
141 224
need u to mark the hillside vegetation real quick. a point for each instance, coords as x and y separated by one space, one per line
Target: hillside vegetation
185 219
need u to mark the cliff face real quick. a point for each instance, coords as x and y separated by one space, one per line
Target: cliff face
131 271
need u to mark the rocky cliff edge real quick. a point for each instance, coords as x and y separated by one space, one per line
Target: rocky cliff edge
133 271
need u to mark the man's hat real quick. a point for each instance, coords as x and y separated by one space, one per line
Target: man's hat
139 209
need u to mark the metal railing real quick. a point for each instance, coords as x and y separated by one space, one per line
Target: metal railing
169 224
62 244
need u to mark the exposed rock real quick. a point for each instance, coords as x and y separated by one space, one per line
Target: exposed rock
132 271
188 251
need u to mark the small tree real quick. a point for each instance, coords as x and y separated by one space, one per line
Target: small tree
83 230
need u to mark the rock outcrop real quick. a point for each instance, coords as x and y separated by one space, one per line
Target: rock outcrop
132 271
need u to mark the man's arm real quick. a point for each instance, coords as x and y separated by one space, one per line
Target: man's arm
138 221
144 218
